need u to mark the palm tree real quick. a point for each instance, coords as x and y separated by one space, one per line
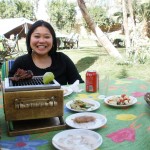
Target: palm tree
102 38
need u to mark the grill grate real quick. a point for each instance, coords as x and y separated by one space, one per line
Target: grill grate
36 83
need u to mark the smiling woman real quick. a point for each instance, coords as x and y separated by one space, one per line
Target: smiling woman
43 57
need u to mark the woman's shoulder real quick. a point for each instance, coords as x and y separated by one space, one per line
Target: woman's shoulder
24 57
61 55
62 58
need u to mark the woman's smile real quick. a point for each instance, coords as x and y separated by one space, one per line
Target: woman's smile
41 47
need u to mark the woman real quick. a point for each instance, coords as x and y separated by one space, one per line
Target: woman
42 56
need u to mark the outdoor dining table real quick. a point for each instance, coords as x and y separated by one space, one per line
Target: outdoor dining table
127 128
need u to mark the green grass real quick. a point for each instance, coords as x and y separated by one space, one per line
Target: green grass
96 58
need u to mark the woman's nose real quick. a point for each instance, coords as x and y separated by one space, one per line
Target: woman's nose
41 39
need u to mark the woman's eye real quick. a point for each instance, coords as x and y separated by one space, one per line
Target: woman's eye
47 37
44 37
37 36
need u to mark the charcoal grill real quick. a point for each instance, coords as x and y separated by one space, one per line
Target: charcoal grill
32 107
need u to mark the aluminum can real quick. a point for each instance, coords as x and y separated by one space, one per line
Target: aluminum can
92 81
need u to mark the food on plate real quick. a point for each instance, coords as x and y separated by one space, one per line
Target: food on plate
48 77
120 100
80 105
77 139
22 74
84 119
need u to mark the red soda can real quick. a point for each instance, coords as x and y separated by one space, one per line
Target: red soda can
92 81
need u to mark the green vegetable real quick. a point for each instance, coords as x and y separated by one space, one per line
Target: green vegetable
80 105
48 77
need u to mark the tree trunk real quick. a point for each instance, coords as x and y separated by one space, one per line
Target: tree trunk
145 28
132 15
125 24
102 38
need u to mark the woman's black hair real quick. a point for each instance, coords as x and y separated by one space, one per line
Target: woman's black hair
31 30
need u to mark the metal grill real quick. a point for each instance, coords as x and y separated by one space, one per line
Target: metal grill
36 83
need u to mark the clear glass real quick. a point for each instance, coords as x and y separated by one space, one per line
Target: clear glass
103 86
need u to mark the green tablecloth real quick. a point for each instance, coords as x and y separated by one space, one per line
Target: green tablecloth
126 128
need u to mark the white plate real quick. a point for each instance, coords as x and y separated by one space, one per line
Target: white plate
133 101
95 106
76 139
100 121
67 90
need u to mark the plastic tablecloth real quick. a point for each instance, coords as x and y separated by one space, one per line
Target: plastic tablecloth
126 128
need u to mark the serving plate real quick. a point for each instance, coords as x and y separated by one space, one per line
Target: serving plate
99 121
94 105
76 139
133 101
67 90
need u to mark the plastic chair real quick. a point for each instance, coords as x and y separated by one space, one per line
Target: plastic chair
6 66
74 40
67 40
10 46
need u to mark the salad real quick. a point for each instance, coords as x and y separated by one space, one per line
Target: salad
80 105
120 100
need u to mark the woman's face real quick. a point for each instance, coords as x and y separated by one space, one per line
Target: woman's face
41 40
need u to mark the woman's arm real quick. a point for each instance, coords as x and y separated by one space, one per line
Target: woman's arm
71 71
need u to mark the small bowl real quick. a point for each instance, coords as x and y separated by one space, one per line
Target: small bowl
147 98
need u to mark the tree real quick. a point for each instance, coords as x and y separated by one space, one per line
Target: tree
18 8
102 38
5 10
62 15
138 12
24 9
142 11
125 24
132 14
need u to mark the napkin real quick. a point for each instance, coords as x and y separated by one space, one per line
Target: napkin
75 87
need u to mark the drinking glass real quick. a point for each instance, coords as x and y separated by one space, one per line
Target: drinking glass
103 86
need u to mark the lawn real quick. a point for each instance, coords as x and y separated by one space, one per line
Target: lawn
92 57
89 56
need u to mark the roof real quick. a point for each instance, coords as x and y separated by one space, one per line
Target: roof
14 26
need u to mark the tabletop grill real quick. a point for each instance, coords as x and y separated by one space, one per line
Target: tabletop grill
31 106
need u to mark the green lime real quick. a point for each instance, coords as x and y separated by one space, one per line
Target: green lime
48 77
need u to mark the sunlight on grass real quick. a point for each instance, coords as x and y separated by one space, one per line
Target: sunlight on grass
105 64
